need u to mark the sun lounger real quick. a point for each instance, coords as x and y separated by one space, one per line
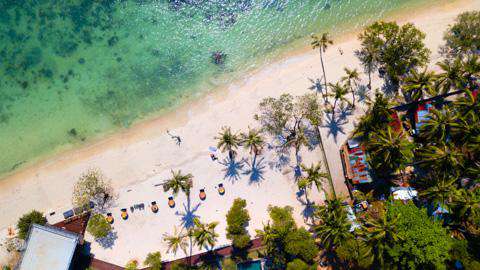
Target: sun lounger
109 218
221 189
124 214
154 207
202 195
171 202
68 214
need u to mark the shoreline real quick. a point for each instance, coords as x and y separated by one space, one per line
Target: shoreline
69 162
295 49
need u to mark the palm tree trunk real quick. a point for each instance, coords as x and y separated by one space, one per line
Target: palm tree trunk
324 76
369 78
325 161
353 97
333 109
254 159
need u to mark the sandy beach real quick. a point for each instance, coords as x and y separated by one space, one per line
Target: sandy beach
137 159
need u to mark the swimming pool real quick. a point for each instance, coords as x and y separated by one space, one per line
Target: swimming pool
252 265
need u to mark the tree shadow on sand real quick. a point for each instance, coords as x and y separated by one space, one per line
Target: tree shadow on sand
316 85
334 125
188 215
255 169
107 241
308 206
281 157
363 93
232 168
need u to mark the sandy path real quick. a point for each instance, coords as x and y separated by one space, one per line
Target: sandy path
145 152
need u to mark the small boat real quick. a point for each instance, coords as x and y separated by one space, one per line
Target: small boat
202 194
221 189
171 202
124 214
109 218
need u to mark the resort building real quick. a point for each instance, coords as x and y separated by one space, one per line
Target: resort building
354 159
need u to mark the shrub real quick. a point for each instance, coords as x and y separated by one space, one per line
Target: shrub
298 264
300 243
131 265
154 261
24 223
237 221
98 226
91 186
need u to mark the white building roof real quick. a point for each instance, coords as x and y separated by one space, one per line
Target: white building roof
48 248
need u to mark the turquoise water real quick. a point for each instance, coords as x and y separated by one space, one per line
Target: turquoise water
254 265
72 70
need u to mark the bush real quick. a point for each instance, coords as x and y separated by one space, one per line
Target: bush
237 221
91 186
131 265
298 264
464 35
300 243
179 266
154 261
98 226
24 223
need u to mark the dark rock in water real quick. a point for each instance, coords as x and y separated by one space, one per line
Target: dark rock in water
81 61
70 72
24 84
46 72
327 6
65 79
218 57
119 59
73 132
156 52
66 48
112 41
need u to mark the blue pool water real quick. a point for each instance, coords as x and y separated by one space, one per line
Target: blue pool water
253 265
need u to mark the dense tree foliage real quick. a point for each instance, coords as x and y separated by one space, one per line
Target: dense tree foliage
98 226
284 241
92 186
237 222
464 36
26 221
154 261
397 49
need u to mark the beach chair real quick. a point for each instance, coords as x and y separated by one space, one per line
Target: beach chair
221 189
124 214
171 202
68 214
154 207
109 218
202 194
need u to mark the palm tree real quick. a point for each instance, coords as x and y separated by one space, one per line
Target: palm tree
468 104
153 261
297 141
322 44
466 203
418 85
381 233
452 76
204 234
339 92
438 126
228 141
443 158
334 226
442 191
377 116
471 67
315 176
369 56
177 182
176 241
254 141
351 78
390 150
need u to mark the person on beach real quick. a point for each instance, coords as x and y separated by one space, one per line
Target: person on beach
213 157
176 138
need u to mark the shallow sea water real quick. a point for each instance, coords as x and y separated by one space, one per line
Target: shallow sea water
74 70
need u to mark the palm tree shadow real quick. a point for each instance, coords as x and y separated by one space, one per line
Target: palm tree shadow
255 169
281 159
334 126
188 216
308 206
312 137
363 93
232 168
316 85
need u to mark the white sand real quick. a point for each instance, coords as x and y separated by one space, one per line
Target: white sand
143 155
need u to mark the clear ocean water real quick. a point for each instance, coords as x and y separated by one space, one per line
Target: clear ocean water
73 70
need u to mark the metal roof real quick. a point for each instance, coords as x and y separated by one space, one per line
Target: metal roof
48 248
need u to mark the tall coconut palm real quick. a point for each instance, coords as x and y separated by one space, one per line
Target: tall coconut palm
381 233
377 116
351 79
438 126
419 85
297 141
339 93
369 56
322 43
228 141
315 176
390 150
452 76
254 141
444 158
333 227
176 241
204 234
471 67
442 192
466 203
179 182
468 104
